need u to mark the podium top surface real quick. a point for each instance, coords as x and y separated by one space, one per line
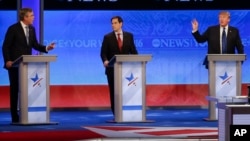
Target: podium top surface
228 99
233 105
226 57
132 58
35 58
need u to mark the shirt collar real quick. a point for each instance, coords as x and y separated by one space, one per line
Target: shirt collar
23 25
119 32
226 27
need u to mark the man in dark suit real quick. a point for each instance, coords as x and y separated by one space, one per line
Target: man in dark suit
19 40
213 36
114 44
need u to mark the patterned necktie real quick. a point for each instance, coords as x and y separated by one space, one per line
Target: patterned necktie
119 41
27 34
224 41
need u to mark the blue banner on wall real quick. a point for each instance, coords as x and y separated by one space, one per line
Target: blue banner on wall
177 57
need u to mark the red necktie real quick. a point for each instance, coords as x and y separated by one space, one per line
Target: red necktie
119 41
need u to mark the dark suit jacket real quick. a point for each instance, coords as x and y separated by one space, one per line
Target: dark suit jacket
110 46
15 44
212 37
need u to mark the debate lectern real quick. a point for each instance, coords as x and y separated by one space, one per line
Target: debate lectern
130 87
232 115
224 78
34 89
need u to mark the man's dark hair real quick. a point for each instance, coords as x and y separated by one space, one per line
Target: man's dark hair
23 12
120 20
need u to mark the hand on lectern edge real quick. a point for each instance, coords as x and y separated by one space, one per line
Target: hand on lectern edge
51 46
106 63
9 64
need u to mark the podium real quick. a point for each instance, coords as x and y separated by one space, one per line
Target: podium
130 91
231 115
224 78
34 80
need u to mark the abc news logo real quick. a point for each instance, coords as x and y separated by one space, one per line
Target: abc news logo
241 132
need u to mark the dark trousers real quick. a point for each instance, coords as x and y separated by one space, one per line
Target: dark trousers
13 78
110 78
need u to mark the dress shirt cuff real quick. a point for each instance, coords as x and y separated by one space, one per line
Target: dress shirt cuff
195 30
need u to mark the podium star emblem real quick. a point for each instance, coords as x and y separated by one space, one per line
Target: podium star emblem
225 78
36 80
131 79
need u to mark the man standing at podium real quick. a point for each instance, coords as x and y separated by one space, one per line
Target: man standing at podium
114 43
221 39
19 40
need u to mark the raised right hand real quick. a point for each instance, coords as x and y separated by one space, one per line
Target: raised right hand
195 25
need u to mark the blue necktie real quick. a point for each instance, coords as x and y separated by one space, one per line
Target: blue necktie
224 41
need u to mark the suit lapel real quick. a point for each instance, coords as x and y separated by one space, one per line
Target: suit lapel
124 39
20 28
217 38
229 34
115 40
218 33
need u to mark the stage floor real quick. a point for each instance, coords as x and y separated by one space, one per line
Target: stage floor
93 125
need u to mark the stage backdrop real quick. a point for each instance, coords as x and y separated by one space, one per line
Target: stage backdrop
174 76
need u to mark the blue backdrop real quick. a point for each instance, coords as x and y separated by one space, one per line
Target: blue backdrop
177 58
